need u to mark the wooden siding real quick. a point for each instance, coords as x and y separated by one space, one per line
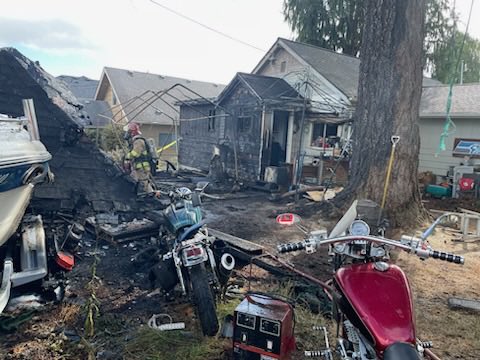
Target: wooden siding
198 143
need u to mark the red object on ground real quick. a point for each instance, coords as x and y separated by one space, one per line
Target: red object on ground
466 184
65 261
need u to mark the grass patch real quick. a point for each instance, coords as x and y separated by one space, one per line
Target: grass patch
151 344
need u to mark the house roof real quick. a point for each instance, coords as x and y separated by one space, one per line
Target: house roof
265 88
99 112
339 69
465 101
81 86
134 90
84 90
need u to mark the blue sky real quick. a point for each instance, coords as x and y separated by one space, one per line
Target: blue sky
80 37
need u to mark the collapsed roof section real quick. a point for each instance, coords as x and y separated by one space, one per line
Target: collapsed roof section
83 175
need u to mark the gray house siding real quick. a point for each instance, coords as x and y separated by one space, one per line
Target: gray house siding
197 140
438 162
235 111
242 105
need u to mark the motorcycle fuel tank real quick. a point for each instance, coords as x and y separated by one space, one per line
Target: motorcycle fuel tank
181 215
381 298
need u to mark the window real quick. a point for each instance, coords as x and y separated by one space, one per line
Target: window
211 120
244 124
317 134
283 66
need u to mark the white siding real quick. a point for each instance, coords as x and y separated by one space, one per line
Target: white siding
322 93
431 159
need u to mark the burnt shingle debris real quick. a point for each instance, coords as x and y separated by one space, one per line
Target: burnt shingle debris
84 176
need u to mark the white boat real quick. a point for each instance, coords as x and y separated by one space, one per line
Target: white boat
23 159
23 164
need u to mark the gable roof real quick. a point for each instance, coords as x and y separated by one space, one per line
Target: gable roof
339 69
465 101
133 88
265 88
81 86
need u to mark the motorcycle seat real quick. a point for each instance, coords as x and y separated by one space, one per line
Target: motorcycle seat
400 351
14 203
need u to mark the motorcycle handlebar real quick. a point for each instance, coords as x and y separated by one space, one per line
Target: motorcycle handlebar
289 247
419 251
440 255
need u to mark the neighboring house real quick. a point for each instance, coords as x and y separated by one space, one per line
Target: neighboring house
251 124
149 99
99 112
334 82
463 139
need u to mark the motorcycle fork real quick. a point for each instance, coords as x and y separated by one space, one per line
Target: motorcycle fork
213 264
178 266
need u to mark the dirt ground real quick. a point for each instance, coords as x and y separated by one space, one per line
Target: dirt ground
108 288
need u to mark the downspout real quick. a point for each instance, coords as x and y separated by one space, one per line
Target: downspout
259 175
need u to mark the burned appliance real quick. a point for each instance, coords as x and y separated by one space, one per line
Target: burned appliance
263 328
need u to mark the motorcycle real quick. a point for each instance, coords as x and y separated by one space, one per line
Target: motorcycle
191 258
371 297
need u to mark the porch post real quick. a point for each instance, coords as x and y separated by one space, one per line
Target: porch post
291 116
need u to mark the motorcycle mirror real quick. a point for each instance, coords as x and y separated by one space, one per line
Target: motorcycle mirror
288 219
201 185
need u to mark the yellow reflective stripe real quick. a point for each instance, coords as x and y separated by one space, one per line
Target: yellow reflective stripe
144 165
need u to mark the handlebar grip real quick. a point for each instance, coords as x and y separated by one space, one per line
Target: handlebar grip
447 257
289 247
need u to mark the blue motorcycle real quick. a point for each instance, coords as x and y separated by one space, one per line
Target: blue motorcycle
190 259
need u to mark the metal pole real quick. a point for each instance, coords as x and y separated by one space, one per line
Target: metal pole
320 171
177 140
300 142
29 111
461 72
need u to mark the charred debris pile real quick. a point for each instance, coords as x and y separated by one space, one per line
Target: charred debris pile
85 179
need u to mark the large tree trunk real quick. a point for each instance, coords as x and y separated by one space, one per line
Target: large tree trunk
389 94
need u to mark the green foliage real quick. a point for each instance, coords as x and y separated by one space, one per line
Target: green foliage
108 138
337 25
446 66
331 24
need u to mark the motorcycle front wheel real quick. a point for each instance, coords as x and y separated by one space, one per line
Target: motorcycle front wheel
204 300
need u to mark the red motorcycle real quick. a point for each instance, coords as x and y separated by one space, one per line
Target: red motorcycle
371 297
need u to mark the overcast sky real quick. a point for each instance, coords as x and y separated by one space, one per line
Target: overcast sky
81 37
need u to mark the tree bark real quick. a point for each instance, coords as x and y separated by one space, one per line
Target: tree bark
389 92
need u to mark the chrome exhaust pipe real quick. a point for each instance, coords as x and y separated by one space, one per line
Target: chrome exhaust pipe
227 261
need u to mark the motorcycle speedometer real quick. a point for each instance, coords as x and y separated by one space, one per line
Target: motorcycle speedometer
359 228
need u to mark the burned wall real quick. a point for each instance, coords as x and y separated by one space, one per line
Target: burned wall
243 131
83 175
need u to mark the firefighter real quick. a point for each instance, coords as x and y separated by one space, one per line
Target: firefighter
139 159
